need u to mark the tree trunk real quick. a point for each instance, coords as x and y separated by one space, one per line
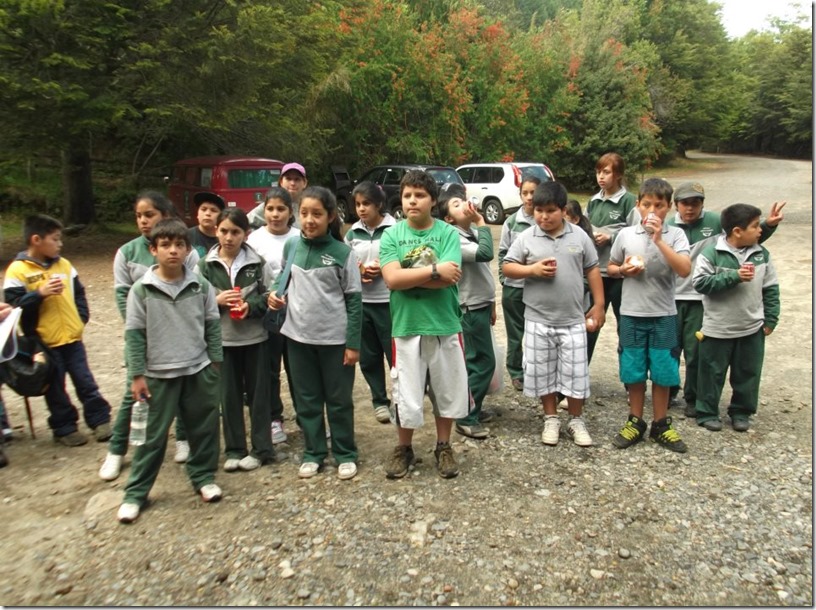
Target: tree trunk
76 180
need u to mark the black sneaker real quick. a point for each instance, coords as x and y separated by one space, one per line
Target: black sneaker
713 425
631 433
445 461
740 424
400 461
690 410
664 434
486 415
74 439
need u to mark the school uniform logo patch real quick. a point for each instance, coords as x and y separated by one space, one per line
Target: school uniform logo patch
327 259
250 273
574 248
706 231
614 215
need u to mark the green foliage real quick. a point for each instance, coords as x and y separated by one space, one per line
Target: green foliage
778 98
135 85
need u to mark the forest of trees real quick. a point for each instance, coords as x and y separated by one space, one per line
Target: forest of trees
120 89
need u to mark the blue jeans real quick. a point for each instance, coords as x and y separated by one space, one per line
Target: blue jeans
73 360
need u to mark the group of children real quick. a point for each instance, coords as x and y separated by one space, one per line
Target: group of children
200 343
696 284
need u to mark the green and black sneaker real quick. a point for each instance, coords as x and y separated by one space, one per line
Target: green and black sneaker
664 434
631 433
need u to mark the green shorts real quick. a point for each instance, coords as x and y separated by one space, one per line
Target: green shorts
648 350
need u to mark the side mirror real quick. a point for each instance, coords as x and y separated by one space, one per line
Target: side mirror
166 179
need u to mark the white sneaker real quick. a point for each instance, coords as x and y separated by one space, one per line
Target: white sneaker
210 492
308 469
382 414
249 463
346 470
111 467
278 435
576 428
128 512
231 464
182 452
552 428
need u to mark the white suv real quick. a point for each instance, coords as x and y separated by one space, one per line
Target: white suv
496 185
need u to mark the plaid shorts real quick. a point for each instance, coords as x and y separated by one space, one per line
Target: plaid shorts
555 360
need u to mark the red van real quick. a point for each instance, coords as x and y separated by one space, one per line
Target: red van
241 181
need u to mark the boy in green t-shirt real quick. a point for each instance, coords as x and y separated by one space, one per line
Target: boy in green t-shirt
421 264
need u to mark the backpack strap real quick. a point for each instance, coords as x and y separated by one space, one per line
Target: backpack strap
283 284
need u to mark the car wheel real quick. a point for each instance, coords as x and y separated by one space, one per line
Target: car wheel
493 211
397 212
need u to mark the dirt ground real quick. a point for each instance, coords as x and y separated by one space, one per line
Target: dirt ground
57 518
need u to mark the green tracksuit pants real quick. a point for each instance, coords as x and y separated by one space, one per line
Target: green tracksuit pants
118 444
689 321
513 310
480 358
196 398
246 369
744 357
375 342
613 288
323 383
278 355
277 345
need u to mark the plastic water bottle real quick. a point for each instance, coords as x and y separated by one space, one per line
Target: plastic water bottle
138 422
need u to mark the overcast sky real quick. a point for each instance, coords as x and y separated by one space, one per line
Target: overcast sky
741 16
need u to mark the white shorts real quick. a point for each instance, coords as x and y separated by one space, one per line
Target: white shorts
436 361
555 360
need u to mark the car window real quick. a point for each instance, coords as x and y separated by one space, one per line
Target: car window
375 175
465 173
445 174
206 177
392 177
252 178
496 174
481 175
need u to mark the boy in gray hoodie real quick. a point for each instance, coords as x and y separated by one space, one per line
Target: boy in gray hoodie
173 342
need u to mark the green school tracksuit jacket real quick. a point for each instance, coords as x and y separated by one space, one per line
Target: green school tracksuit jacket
701 233
324 301
733 308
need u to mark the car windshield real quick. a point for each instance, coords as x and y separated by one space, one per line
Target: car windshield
535 170
445 174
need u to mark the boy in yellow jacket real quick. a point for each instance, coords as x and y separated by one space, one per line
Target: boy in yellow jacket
55 309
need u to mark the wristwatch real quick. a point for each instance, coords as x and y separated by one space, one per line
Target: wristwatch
434 273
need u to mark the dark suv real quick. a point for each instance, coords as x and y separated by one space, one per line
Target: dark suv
389 177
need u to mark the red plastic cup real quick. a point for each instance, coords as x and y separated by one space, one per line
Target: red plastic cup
235 310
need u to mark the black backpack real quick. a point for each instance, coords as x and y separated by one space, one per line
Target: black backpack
29 372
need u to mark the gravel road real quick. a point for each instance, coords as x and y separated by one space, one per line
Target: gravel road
728 523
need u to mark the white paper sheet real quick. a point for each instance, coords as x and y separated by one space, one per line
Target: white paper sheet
8 334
